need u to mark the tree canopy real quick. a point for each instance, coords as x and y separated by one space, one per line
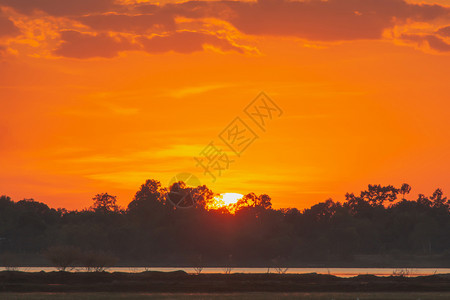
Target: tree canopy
171 225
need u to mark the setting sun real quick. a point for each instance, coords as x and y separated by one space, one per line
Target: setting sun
230 198
225 199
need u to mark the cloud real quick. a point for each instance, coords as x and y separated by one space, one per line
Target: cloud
191 26
333 20
433 42
82 45
186 42
444 31
7 27
437 43
195 90
86 45
129 23
61 7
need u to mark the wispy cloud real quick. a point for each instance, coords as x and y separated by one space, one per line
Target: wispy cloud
195 90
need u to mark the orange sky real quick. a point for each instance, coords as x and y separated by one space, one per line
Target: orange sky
100 95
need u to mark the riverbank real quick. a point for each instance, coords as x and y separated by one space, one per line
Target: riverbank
340 272
226 296
182 282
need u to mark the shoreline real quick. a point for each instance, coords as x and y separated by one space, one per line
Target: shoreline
339 272
182 282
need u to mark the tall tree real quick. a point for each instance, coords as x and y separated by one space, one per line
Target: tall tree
404 190
149 196
105 203
377 194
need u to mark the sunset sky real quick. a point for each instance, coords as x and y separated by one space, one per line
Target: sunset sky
100 95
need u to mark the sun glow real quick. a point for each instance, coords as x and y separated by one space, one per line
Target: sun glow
225 200
230 198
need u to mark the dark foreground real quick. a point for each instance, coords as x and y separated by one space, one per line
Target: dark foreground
181 282
227 296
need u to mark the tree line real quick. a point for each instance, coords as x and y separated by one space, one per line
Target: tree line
176 225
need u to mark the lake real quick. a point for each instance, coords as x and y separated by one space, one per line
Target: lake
342 272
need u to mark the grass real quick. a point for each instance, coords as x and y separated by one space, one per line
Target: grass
264 296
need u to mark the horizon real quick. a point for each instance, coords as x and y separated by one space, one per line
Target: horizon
230 201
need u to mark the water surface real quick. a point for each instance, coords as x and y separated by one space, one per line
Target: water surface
342 272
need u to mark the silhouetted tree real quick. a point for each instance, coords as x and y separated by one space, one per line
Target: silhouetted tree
437 199
321 212
105 203
264 201
404 190
377 194
249 200
63 257
252 200
202 196
198 264
154 232
97 261
424 201
148 201
181 195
